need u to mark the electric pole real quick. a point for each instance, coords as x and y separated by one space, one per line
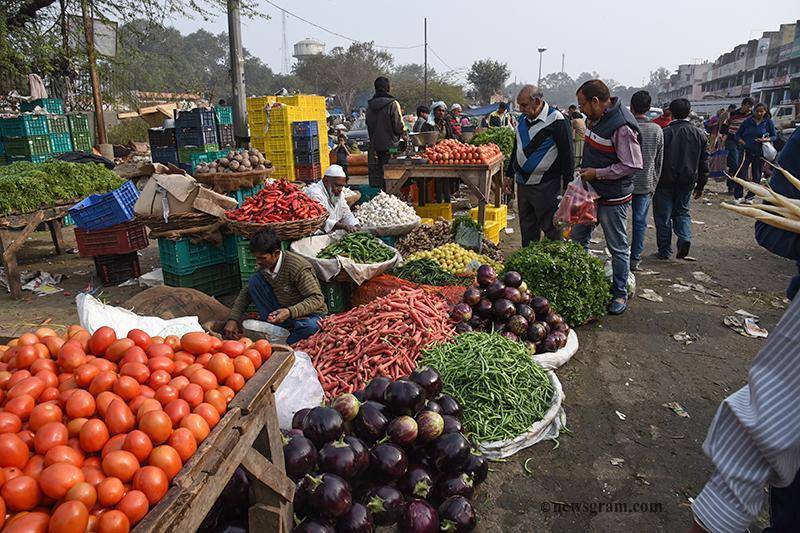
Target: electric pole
563 57
425 101
237 72
94 77
285 55
541 51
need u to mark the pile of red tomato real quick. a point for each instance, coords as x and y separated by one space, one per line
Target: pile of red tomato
93 428
452 152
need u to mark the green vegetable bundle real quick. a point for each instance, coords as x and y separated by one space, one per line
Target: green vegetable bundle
428 272
361 247
564 273
26 187
502 137
465 221
501 390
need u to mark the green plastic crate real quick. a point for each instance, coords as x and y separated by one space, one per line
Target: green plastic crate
206 157
224 114
185 153
243 194
34 145
337 295
214 280
82 141
183 257
247 261
31 158
78 123
57 123
24 126
51 105
67 221
60 142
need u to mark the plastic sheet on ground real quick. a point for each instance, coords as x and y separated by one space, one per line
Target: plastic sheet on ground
327 269
94 314
300 389
548 428
554 360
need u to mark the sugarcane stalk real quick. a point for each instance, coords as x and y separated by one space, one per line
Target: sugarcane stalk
791 179
773 220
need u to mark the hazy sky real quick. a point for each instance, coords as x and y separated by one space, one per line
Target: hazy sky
620 39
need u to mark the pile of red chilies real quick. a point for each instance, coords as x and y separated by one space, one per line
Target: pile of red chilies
280 201
381 338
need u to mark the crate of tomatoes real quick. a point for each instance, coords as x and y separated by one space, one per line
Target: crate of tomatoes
452 152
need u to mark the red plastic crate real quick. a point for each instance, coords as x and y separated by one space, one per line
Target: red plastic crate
120 239
308 172
115 269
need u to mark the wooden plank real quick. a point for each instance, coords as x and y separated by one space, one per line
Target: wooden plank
12 242
57 235
274 370
266 518
19 221
268 474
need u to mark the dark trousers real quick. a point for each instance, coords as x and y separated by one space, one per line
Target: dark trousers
784 513
755 165
671 214
785 244
376 161
265 301
734 156
536 205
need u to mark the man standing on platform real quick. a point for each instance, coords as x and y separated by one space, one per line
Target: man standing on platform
384 125
541 164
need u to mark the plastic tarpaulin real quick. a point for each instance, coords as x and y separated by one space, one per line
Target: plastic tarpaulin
480 111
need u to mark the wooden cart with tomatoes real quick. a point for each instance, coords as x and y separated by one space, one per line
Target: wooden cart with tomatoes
481 178
248 436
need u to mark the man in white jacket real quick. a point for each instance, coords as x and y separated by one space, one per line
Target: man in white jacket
328 192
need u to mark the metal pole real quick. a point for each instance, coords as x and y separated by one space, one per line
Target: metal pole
237 72
563 57
541 51
425 101
94 77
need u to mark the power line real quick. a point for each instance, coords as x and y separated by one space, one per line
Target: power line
298 17
440 58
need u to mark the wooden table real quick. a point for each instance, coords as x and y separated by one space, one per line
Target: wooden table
251 423
15 230
481 179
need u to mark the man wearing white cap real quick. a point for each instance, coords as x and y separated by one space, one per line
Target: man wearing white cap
328 192
455 119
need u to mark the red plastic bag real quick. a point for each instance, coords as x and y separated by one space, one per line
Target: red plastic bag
577 206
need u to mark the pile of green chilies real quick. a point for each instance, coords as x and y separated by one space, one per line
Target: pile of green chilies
428 272
502 392
361 247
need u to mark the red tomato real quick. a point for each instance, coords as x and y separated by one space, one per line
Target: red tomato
21 493
254 356
114 443
159 378
179 382
10 423
119 418
104 381
63 454
160 350
205 378
148 405
28 523
138 443
83 492
120 464
137 371
182 440
232 348
244 366
135 506
26 355
161 363
32 386
53 345
152 481
236 381
85 373
113 522
221 365
94 474
196 342
176 410
197 425
101 340
69 517
193 394
93 435
42 414
110 491
141 338
216 399
49 394
134 355
20 406
264 348
57 479
80 404
157 425
74 426
126 388
166 393
118 348
227 392
167 459
49 435
208 412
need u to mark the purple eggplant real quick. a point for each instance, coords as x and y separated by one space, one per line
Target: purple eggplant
503 309
430 425
517 325
472 296
512 279
457 514
404 397
432 405
498 326
302 496
512 294
347 405
486 275
416 483
537 331
455 485
360 395
402 430
419 517
560 337
477 466
463 327
361 451
525 298
495 290
477 322
338 457
540 306
376 387
330 495
386 505
429 379
483 308
450 452
461 312
388 461
357 520
452 424
531 346
323 424
313 525
370 424
449 406
553 320
300 456
291 432
525 311
551 343
510 335
299 416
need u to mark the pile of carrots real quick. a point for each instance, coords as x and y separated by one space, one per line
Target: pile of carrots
381 338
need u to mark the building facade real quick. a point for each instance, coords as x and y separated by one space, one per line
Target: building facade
768 69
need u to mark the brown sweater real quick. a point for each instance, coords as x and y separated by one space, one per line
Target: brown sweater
296 289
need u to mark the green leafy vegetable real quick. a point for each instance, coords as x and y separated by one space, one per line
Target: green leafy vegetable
463 220
565 274
428 272
502 137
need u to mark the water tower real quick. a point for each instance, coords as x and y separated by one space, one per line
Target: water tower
308 48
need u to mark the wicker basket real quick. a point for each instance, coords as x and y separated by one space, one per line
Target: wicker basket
286 231
178 222
392 231
225 182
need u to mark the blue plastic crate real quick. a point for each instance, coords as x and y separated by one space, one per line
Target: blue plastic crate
195 118
161 137
306 144
164 155
183 257
196 136
306 127
100 211
24 126
51 105
60 142
311 158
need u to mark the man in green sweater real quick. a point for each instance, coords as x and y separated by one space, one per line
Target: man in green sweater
284 290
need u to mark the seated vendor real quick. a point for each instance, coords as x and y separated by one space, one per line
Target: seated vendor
328 192
284 289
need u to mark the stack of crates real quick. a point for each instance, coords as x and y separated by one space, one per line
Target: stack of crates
26 138
224 122
50 105
162 145
195 133
213 270
60 138
79 132
305 141
495 221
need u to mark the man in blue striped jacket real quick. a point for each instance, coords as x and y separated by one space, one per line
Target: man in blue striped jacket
541 164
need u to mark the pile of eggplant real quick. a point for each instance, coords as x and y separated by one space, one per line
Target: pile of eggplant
506 306
393 454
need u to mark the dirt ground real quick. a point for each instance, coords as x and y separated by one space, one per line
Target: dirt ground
628 364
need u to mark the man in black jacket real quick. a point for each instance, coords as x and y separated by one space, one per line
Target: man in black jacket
384 125
685 169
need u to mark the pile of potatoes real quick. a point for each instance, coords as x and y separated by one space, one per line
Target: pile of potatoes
236 161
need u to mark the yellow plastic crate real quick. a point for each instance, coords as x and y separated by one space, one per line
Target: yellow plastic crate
310 101
428 221
491 230
493 214
260 102
435 211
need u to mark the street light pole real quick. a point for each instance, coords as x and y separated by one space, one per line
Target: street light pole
541 51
